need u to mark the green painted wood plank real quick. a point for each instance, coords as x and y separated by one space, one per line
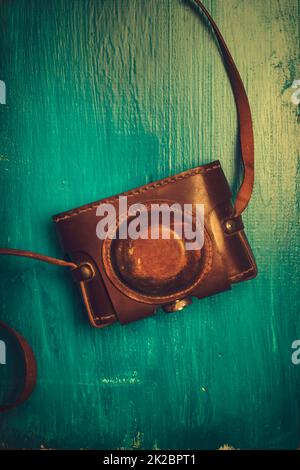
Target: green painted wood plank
105 95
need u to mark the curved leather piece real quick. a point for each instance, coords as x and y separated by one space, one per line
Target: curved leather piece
30 368
244 119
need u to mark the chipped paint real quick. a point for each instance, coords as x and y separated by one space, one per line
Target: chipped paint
227 447
132 380
138 441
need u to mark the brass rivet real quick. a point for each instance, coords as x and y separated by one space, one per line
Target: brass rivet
229 225
177 305
86 271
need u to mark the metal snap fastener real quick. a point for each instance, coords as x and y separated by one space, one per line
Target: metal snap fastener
84 272
177 305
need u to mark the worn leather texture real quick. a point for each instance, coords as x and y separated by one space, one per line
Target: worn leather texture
230 258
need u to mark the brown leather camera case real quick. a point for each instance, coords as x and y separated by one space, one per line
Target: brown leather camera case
127 280
225 258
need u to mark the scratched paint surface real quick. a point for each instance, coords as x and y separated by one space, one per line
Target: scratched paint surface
106 95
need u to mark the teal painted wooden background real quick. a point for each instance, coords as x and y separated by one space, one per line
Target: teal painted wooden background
107 95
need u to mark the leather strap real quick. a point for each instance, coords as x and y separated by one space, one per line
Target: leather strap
241 202
37 256
30 368
244 119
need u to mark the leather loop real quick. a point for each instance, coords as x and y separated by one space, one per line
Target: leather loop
244 119
30 369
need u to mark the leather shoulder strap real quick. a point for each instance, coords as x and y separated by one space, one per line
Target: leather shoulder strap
243 197
30 368
244 119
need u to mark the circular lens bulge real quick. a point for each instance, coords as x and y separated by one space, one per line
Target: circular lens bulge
156 267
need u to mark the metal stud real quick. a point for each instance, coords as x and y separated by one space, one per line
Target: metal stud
84 272
177 305
229 226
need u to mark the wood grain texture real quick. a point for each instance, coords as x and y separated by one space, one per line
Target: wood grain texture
106 95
